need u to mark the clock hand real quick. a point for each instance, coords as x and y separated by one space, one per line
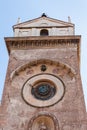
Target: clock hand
31 85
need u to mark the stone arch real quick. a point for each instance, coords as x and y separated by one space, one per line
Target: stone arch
32 63
44 32
45 120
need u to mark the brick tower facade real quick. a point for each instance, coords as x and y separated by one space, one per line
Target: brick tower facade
43 89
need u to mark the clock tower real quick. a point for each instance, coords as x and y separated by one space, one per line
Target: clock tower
43 89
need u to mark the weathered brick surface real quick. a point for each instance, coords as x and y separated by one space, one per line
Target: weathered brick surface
70 112
61 61
61 56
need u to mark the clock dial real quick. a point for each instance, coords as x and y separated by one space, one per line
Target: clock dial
43 90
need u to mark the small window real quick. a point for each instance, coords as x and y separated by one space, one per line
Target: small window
44 32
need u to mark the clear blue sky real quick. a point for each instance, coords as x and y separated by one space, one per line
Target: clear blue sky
59 9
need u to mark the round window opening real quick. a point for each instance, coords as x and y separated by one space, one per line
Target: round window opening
43 90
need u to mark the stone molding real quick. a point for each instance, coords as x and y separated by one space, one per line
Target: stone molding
30 99
70 70
41 42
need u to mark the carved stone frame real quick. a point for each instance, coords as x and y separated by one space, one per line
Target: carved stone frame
56 124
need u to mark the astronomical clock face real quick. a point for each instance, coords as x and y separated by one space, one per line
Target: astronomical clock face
43 90
42 85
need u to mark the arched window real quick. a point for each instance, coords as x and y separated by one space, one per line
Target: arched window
44 32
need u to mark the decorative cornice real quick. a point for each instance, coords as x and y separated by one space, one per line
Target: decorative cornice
40 42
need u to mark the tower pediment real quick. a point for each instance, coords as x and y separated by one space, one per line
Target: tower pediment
34 26
43 22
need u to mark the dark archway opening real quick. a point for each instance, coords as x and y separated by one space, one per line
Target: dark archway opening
44 32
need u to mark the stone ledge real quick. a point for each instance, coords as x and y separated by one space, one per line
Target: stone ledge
43 42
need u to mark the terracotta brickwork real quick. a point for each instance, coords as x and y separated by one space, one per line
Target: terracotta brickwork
60 57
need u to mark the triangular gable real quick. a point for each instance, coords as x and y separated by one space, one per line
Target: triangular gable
43 21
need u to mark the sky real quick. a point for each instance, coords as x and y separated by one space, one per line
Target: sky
11 10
